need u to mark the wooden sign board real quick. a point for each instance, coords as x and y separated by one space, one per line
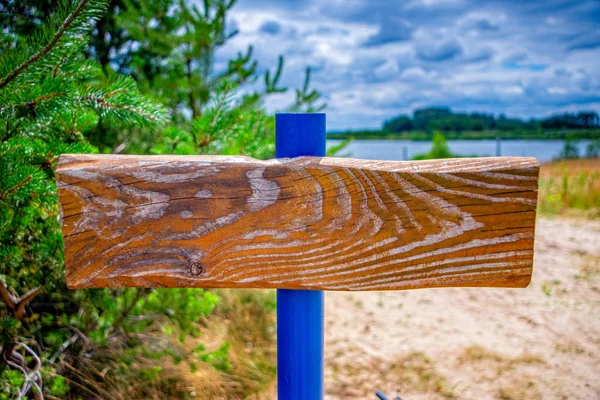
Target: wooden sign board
301 223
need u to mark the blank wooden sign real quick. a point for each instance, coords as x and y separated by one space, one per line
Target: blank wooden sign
302 223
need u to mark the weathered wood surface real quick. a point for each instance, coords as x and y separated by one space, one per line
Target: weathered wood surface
302 223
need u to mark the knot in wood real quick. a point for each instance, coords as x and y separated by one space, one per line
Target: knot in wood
196 268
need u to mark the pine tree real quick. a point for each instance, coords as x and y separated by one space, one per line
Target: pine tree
50 96
169 47
54 98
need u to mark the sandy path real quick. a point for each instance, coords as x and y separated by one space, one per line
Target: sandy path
539 342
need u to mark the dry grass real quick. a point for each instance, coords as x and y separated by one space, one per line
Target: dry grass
520 387
417 373
478 353
507 375
574 167
570 187
111 376
553 287
589 269
569 348
244 318
409 374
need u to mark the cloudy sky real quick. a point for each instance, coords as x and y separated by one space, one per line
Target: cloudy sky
374 59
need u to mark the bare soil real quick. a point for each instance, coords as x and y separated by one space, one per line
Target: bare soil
539 342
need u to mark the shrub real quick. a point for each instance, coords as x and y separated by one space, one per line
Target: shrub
439 149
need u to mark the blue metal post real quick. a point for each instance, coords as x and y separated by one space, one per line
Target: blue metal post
300 312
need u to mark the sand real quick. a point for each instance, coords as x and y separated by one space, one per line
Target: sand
538 342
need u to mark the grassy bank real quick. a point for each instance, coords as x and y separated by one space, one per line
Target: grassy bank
574 134
245 322
233 357
570 187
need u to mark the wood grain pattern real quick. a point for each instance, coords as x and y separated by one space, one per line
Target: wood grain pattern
302 223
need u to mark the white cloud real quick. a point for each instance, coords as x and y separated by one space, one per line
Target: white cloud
374 60
557 90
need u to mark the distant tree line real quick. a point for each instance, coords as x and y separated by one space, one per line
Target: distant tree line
443 119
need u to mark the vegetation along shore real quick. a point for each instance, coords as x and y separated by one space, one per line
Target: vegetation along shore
474 126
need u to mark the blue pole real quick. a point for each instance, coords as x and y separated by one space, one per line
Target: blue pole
300 312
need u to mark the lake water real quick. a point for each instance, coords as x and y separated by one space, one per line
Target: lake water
543 150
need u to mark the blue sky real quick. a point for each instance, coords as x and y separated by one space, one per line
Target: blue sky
374 59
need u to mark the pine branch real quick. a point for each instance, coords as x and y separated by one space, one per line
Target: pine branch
103 101
138 296
32 103
46 49
15 188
